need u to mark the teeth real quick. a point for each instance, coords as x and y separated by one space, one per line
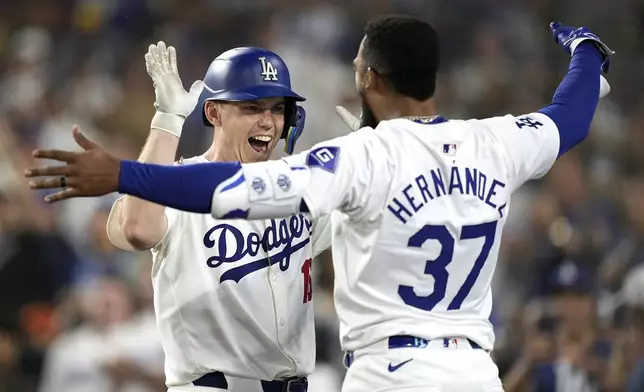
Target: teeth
263 138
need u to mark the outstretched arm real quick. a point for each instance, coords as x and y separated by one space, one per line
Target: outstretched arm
317 181
337 174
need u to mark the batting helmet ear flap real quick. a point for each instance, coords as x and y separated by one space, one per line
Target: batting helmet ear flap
290 116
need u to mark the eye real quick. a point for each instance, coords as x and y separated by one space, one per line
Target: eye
251 108
278 109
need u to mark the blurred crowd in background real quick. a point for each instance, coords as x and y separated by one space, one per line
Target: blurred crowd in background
75 313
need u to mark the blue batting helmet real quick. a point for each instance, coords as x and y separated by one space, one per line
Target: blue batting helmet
247 74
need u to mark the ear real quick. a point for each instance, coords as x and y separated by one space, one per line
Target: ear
376 82
369 79
212 113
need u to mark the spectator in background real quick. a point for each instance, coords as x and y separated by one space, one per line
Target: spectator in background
564 350
98 256
626 371
538 349
137 364
36 264
109 351
629 252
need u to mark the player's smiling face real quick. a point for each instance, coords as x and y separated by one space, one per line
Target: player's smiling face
249 130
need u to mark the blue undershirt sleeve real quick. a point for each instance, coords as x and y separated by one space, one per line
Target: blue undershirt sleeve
574 103
187 188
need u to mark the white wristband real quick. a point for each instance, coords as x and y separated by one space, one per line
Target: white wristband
170 123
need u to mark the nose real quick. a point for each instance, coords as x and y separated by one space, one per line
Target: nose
266 120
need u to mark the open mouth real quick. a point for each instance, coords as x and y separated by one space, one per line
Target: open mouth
259 143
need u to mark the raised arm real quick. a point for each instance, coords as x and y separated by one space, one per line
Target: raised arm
574 103
136 223
532 142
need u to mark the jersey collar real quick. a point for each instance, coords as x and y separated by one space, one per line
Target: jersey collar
426 119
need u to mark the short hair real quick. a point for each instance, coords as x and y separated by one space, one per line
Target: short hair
405 51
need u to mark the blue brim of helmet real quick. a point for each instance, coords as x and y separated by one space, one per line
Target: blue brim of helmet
251 94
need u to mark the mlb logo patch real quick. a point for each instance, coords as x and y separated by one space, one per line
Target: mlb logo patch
450 343
449 149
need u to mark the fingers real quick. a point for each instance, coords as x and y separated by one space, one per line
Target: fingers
348 118
49 171
52 183
62 195
161 59
165 60
154 51
59 155
161 47
149 64
172 55
196 88
82 140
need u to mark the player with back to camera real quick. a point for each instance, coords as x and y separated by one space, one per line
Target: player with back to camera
423 201
232 298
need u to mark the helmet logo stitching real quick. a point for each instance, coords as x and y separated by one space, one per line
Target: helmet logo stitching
269 72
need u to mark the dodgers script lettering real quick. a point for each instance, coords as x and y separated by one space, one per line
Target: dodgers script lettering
231 245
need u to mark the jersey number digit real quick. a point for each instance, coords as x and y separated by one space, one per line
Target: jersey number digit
308 281
438 268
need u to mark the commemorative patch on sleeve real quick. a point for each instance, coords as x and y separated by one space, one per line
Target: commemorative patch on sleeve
326 158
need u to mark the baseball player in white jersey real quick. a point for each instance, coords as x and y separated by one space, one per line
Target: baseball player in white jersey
232 298
422 203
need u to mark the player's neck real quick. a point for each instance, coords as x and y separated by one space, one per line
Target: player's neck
409 107
215 154
219 150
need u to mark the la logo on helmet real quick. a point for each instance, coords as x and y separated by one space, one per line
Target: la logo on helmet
269 72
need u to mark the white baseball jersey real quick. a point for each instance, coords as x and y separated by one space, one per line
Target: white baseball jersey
235 296
423 208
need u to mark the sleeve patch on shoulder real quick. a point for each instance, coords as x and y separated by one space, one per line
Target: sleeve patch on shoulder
325 158
527 121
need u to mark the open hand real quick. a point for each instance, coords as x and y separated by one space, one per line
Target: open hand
92 172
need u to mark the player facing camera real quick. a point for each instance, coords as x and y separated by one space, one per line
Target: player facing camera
247 131
250 104
395 69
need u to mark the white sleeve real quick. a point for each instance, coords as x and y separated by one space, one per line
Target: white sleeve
339 174
321 235
342 174
530 144
346 182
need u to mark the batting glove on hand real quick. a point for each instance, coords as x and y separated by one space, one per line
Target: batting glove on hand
173 102
569 38
352 121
